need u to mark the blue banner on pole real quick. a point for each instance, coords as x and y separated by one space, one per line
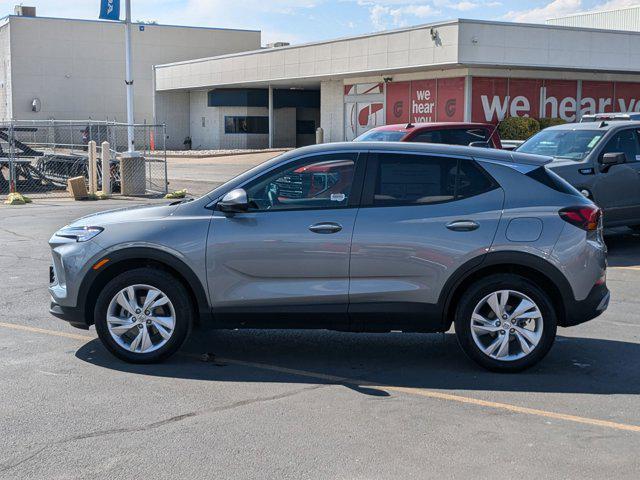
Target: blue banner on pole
110 9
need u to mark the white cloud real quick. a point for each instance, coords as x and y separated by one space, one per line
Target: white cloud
556 8
464 6
560 8
383 17
613 4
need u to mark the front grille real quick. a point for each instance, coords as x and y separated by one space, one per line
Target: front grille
52 275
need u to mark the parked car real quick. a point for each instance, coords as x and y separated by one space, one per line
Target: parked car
393 236
601 160
613 116
449 133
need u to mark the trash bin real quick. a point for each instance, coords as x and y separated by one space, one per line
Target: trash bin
133 175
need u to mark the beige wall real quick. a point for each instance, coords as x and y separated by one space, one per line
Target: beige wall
332 110
409 48
5 72
173 108
76 68
207 125
523 45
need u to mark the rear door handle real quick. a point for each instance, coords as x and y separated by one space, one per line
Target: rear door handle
326 227
463 226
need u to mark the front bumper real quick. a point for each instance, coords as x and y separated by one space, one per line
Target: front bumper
594 305
73 315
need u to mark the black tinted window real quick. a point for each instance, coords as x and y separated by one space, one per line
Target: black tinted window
552 180
404 179
246 125
625 142
473 180
453 136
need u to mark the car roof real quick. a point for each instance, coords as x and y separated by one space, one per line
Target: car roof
413 127
597 125
491 154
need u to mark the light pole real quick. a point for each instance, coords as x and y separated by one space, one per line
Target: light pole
131 146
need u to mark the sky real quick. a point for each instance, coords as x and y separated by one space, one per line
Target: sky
299 21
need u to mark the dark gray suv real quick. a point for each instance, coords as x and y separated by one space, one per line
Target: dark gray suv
361 237
600 159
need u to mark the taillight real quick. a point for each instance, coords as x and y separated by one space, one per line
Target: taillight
585 217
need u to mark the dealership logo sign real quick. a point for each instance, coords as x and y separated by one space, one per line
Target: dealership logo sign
450 107
497 98
110 10
398 109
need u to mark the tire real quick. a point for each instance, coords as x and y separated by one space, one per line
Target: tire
117 328
635 228
475 307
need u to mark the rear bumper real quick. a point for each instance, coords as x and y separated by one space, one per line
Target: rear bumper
73 315
596 303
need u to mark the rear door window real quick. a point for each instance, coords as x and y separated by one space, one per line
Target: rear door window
396 179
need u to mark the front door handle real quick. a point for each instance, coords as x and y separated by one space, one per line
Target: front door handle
463 226
326 227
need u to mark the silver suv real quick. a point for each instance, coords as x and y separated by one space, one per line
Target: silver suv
360 237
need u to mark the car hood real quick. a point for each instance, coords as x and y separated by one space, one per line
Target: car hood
124 215
562 162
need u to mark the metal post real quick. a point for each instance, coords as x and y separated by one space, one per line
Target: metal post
271 126
106 168
468 82
92 171
129 79
164 148
12 167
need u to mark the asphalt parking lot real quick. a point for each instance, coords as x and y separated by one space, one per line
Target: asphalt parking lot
304 404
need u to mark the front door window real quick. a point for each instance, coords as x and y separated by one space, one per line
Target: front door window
316 182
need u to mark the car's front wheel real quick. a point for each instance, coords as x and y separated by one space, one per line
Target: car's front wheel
143 315
505 323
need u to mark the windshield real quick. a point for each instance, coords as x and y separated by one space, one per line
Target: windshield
381 136
569 144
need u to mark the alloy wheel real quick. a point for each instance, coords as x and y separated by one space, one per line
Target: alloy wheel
141 318
506 325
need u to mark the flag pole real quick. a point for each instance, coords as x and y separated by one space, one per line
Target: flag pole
129 79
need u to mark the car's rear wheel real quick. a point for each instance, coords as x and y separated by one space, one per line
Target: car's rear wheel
143 316
506 323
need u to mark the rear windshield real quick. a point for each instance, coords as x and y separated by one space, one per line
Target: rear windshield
552 180
381 136
567 144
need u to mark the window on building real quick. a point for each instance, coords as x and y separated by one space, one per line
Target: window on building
246 125
305 127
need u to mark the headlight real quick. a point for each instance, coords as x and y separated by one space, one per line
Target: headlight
79 234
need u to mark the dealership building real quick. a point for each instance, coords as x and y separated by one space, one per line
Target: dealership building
70 69
460 70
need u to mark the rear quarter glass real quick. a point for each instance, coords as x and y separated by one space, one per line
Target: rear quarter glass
553 180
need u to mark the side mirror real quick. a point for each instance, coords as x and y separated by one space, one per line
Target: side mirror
234 202
609 159
480 144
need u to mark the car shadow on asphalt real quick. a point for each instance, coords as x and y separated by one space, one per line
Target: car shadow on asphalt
363 362
623 247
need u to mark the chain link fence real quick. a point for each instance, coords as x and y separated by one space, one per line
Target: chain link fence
37 158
